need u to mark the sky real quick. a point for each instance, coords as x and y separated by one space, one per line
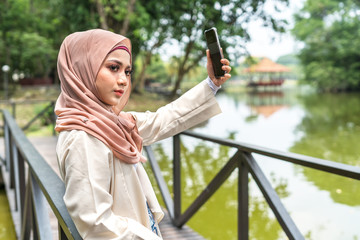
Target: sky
261 44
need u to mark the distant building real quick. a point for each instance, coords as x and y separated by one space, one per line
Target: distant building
266 73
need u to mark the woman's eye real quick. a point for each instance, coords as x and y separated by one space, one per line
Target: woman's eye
114 68
128 72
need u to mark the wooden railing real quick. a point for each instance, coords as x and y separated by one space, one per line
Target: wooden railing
244 161
12 105
23 162
34 183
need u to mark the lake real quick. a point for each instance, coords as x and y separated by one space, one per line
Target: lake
298 120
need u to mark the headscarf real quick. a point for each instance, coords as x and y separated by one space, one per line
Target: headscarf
79 106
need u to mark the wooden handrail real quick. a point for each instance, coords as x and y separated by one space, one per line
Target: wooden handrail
43 182
49 106
244 161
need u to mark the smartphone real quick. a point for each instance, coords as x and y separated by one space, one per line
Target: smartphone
213 45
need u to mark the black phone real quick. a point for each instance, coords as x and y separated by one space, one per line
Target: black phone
213 45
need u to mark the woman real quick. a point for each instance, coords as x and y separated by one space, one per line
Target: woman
108 193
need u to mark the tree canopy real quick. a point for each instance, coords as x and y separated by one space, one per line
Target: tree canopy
31 31
330 32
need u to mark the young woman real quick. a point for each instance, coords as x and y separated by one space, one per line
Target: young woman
108 193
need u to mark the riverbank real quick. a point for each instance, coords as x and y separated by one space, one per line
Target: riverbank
31 101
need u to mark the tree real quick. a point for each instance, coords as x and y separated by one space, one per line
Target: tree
13 22
329 30
189 19
151 25
147 23
29 36
153 34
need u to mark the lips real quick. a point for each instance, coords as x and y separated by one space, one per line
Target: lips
119 92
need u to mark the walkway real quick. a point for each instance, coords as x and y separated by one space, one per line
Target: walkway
46 147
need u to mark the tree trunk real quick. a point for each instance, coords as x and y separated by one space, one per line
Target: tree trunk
180 77
182 72
102 15
184 67
126 22
140 82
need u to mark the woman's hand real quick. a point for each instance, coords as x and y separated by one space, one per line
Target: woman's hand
218 81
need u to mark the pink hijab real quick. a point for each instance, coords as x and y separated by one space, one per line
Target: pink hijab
79 106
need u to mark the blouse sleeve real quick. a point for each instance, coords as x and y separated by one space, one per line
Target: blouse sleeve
85 166
193 107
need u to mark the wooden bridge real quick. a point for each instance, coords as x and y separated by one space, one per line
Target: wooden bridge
46 147
42 192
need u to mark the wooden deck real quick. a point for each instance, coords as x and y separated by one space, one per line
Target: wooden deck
46 147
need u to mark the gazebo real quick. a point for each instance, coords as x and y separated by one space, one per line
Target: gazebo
266 73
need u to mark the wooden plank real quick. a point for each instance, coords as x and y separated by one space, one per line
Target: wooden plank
170 232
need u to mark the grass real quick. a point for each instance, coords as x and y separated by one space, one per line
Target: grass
27 107
145 102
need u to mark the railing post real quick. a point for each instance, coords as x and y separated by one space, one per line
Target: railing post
7 145
210 189
27 220
12 157
169 203
44 185
177 177
22 181
243 201
19 177
273 199
14 176
42 112
42 222
13 109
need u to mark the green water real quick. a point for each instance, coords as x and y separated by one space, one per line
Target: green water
7 230
323 206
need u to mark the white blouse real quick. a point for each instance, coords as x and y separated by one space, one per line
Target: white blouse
105 197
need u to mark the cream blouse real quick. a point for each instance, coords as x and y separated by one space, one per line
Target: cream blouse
105 197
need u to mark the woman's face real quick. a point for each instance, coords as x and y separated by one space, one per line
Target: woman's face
114 76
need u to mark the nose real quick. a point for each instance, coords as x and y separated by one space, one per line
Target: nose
122 79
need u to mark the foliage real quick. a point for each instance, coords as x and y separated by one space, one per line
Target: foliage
31 31
25 29
200 162
289 59
292 62
189 19
331 133
156 72
45 113
33 54
329 29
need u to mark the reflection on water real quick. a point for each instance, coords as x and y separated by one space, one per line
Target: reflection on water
323 206
217 219
332 133
265 103
331 127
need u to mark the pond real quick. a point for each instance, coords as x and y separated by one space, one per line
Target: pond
298 120
7 229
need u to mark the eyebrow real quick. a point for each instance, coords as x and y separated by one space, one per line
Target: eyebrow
118 62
